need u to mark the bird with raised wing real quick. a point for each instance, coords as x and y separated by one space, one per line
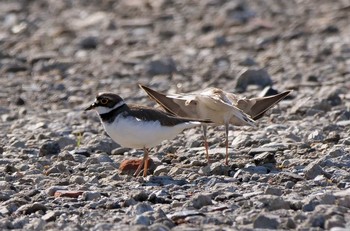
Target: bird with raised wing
223 108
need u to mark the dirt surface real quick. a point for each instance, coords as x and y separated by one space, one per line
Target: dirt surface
59 169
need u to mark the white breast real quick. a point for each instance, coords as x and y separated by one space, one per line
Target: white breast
134 133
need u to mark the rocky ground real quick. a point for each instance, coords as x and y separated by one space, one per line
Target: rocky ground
59 170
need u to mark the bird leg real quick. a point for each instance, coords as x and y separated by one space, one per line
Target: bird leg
145 161
204 127
226 142
143 164
138 170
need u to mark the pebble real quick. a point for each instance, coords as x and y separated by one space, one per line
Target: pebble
312 170
49 148
201 200
266 222
216 168
89 196
31 208
163 66
253 76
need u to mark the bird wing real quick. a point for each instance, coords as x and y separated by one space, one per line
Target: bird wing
218 100
180 105
256 107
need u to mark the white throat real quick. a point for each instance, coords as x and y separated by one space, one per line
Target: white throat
103 110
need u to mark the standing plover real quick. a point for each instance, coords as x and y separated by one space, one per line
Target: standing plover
221 107
139 127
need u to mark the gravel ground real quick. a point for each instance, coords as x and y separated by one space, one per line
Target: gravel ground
59 170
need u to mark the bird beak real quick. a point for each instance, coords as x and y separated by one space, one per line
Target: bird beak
92 106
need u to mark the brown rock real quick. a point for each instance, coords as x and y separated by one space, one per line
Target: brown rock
68 193
129 166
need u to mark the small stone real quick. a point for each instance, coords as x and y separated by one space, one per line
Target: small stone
334 221
161 169
315 221
273 191
248 61
50 216
51 191
266 222
180 215
140 196
142 220
272 202
67 193
89 196
31 208
201 200
105 145
264 158
316 136
129 167
164 66
332 137
19 101
104 158
142 207
89 42
240 140
258 77
77 180
215 168
49 148
312 170
66 141
120 151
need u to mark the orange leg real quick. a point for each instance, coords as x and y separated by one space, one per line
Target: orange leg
138 170
145 161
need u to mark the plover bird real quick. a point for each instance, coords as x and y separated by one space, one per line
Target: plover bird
221 107
139 127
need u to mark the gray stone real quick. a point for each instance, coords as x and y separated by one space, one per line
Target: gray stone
159 227
272 202
77 180
264 158
89 42
216 168
316 136
49 148
161 169
104 158
201 200
20 222
51 190
273 191
312 170
317 220
142 220
50 216
266 222
65 141
104 144
31 208
164 66
142 207
253 76
89 195
335 221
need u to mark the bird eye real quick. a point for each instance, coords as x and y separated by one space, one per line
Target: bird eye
104 101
